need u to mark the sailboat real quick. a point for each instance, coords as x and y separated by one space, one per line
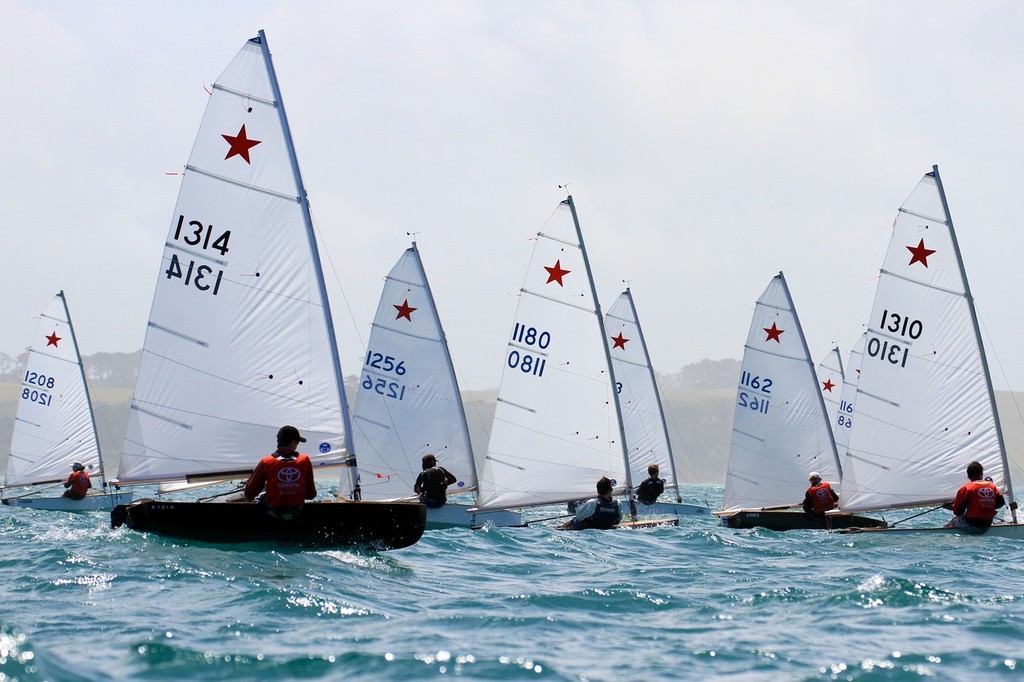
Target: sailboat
925 406
240 337
54 426
830 381
557 427
643 416
780 428
408 404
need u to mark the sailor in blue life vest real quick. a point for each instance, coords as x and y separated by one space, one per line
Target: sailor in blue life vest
819 498
976 502
652 487
601 512
78 482
286 475
432 483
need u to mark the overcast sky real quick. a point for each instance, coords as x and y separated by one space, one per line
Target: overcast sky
708 146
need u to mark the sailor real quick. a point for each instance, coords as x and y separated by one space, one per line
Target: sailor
652 487
976 502
432 483
287 476
819 498
78 482
601 512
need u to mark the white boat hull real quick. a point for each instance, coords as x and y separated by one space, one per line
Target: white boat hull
1000 530
102 501
454 515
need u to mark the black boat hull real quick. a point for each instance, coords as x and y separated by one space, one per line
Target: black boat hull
374 525
796 520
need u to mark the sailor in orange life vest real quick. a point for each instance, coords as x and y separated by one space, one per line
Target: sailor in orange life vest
819 498
78 482
976 502
286 475
601 512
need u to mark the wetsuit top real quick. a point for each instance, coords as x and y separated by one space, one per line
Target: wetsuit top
79 483
597 513
650 489
820 498
433 483
288 481
977 502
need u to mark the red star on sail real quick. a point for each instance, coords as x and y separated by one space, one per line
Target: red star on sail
240 145
773 333
920 254
52 339
404 310
827 385
619 341
556 273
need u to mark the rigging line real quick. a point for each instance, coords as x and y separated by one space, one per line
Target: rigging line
337 280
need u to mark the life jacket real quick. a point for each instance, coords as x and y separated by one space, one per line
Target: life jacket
606 515
434 484
982 499
649 490
821 498
286 480
79 484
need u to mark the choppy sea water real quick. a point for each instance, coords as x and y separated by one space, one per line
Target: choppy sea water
79 601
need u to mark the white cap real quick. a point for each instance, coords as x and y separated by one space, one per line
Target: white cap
812 475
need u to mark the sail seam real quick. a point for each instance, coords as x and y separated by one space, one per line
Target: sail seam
924 284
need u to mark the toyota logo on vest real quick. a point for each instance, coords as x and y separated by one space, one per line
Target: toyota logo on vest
288 475
986 493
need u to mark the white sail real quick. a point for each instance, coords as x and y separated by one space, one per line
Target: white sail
240 339
842 422
830 383
643 418
556 427
924 408
780 431
54 425
408 404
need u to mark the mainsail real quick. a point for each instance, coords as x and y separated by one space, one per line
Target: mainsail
54 425
843 420
830 382
408 404
556 427
240 339
643 418
925 407
780 431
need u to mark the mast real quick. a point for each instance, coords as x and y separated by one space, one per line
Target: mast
607 355
657 396
85 386
318 268
981 346
814 376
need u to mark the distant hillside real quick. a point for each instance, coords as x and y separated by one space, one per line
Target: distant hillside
698 403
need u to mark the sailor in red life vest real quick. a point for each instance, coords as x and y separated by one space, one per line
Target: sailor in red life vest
287 476
78 482
976 502
819 498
